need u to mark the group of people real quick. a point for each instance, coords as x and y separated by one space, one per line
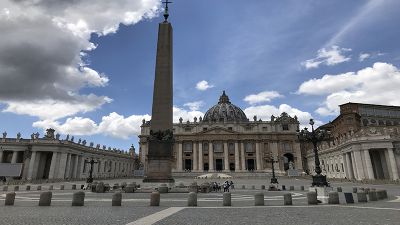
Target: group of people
226 186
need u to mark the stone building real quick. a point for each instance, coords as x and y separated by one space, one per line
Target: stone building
365 143
226 140
53 159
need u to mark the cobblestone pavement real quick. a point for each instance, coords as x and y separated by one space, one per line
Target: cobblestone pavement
136 210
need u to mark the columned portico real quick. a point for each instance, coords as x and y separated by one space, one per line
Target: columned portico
258 157
200 144
393 166
368 164
195 157
243 159
53 165
180 158
226 157
210 157
237 162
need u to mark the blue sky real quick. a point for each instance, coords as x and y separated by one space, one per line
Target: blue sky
87 70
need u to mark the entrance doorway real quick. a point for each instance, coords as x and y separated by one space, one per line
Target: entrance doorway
379 164
250 164
188 164
288 159
205 167
232 166
219 165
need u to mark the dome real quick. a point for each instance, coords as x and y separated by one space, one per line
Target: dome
225 111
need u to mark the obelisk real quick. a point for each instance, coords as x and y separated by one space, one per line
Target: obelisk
159 157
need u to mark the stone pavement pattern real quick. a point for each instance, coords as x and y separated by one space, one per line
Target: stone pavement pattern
173 210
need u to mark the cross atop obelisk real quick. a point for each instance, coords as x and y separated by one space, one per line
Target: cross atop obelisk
166 14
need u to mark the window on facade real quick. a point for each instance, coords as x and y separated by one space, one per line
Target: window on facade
188 129
187 146
249 147
187 154
204 128
230 128
247 128
218 147
205 146
231 148
285 126
287 147
265 129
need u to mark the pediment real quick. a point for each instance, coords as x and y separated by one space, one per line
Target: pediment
218 130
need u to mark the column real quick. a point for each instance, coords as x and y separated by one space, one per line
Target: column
358 160
1 156
32 166
349 168
81 164
242 156
226 157
258 158
237 162
62 166
195 164
368 163
393 165
200 156
14 157
354 167
53 165
179 163
210 157
75 169
68 167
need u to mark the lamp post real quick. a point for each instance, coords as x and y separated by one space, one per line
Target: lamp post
274 180
89 180
315 136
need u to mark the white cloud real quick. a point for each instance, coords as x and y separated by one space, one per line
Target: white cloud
363 56
327 84
265 112
41 49
113 125
265 96
203 85
375 85
194 106
185 114
329 57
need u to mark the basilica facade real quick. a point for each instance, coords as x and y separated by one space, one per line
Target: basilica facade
226 140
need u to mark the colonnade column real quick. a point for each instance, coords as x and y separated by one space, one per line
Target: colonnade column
200 156
53 165
258 158
81 164
393 166
237 163
349 168
179 163
210 157
242 156
358 161
32 166
226 157
1 156
62 166
195 164
14 157
368 164
354 167
275 153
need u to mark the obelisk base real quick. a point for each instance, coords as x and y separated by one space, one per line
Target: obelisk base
159 161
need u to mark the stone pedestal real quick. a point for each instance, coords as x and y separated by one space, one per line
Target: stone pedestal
159 161
322 193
